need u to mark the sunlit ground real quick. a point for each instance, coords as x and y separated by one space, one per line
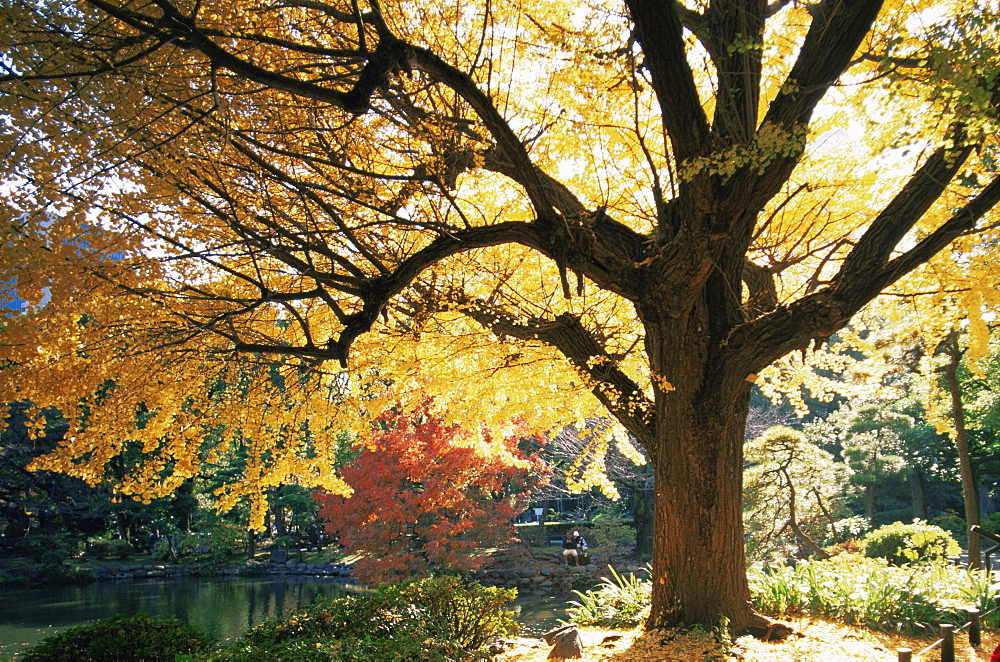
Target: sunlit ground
818 641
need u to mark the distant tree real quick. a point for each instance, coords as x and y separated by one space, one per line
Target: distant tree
793 489
292 509
43 500
872 448
953 352
765 415
428 494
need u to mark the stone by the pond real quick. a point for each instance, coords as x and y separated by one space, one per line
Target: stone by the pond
565 642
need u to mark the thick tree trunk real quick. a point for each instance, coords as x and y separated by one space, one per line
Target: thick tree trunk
699 565
251 544
278 528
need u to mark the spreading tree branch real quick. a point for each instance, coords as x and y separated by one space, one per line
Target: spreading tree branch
618 392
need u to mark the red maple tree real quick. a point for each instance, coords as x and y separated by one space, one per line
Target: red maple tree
428 495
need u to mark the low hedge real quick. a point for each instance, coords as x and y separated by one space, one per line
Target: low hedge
137 638
903 544
444 618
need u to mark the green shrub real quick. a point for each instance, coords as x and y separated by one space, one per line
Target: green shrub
53 557
186 545
226 539
620 602
466 613
610 510
62 573
953 524
611 533
13 579
435 618
856 590
910 543
137 638
160 550
991 522
105 549
35 547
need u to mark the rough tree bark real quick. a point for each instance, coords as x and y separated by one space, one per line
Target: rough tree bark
699 558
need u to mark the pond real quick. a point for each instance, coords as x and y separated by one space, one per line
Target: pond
225 606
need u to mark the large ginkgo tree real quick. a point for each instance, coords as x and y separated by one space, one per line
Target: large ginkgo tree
259 221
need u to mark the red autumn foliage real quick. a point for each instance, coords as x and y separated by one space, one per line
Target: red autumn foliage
429 494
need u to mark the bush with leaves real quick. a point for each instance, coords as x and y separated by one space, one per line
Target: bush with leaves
902 544
161 550
185 546
621 601
853 589
225 539
102 548
42 548
953 524
611 533
436 618
60 573
137 638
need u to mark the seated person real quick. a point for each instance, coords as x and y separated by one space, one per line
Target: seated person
581 549
569 549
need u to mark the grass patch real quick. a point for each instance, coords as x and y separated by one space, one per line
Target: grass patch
855 590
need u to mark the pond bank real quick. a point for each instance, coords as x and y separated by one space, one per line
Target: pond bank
528 580
248 569
539 581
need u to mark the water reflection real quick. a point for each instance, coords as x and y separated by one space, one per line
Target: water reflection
222 605
538 615
226 606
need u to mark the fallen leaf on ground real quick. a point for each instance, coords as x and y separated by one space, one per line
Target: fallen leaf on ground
819 641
